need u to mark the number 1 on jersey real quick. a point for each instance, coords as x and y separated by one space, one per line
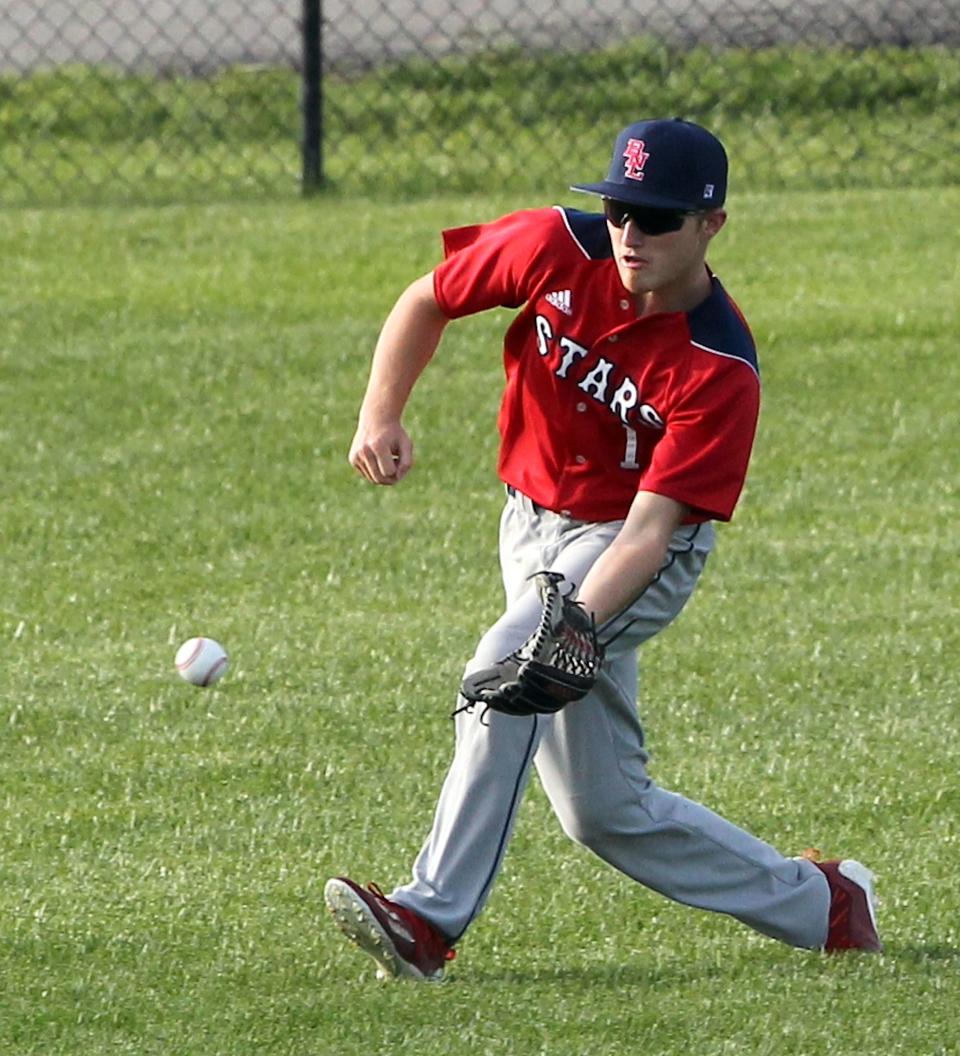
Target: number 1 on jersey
630 454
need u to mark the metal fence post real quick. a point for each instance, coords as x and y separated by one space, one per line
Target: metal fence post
312 97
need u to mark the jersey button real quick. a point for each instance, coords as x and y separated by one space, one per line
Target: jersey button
581 407
613 338
580 459
624 304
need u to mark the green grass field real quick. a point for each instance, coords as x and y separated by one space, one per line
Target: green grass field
178 392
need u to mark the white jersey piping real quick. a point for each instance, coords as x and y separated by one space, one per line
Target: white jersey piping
566 224
726 355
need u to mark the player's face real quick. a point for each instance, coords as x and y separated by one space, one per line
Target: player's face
668 264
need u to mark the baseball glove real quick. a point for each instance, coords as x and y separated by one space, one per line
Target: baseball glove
557 664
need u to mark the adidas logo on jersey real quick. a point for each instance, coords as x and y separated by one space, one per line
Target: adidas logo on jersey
561 300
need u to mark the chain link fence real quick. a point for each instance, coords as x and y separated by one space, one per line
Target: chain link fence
112 100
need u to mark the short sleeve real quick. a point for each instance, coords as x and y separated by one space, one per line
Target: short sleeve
703 456
491 265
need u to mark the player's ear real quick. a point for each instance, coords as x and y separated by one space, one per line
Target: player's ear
713 221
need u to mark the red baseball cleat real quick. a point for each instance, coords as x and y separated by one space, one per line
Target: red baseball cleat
853 916
402 943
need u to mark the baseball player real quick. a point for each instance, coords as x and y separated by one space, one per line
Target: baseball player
626 425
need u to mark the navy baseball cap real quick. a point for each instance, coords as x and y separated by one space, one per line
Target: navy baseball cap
665 164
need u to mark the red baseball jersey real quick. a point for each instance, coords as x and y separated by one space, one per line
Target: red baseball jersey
600 404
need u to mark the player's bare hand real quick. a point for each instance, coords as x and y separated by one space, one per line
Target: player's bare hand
382 454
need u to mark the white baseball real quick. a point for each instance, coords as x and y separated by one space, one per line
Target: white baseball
201 661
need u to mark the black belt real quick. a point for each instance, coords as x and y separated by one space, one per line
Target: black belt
513 493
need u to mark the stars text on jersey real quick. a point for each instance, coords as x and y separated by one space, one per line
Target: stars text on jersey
596 376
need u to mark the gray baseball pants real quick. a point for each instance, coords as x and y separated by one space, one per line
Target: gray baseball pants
591 761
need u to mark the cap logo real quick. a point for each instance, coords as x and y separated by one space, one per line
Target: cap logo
708 191
636 159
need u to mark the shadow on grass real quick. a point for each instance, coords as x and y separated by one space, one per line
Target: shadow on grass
600 974
919 954
692 971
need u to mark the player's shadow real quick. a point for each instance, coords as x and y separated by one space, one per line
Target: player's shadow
692 972
939 952
606 975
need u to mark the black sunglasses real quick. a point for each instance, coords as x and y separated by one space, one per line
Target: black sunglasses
646 219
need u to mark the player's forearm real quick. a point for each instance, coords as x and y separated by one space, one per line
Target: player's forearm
406 344
627 567
620 575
